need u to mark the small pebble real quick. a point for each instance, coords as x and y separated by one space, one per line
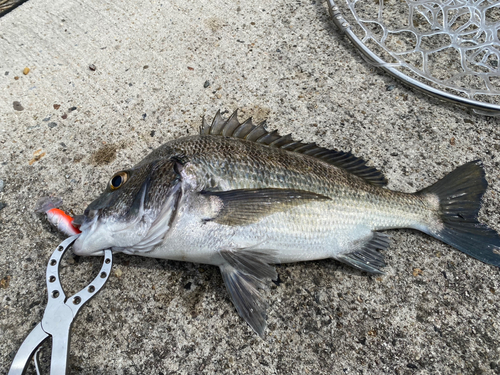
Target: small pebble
145 67
6 73
190 68
26 71
389 87
72 109
206 84
4 283
65 116
17 106
57 106
152 134
2 205
118 272
46 119
2 184
92 67
52 125
452 141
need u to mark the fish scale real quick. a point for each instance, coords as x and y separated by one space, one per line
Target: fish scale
242 198
400 209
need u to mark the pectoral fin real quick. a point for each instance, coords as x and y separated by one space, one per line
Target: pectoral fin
245 271
247 206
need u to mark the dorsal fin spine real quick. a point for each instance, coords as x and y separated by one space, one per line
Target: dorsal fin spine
258 134
231 125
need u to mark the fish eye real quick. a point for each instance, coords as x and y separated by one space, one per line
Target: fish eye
118 180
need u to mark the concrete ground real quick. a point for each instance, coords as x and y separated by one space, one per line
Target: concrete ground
109 81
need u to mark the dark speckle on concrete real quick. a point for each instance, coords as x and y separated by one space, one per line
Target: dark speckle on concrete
105 155
52 125
17 106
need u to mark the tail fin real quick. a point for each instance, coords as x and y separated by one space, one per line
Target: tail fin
460 194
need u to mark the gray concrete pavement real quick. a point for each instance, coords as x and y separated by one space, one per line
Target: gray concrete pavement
435 311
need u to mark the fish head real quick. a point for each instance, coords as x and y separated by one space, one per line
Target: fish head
133 213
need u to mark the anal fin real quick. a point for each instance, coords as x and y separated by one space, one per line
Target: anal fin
245 272
368 258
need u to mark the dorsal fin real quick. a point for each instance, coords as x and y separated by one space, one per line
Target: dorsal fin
257 133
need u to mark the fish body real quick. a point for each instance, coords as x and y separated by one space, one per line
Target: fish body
242 198
343 209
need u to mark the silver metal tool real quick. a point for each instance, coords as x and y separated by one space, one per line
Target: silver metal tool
59 315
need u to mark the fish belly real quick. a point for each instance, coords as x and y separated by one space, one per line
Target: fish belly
311 231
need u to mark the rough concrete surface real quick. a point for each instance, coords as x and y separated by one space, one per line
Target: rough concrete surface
435 310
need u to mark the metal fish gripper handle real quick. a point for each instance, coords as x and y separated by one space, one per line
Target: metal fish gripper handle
59 315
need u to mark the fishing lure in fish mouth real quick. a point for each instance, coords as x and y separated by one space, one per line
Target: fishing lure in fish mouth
242 198
58 218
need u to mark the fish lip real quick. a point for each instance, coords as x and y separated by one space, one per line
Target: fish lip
78 220
86 228
89 218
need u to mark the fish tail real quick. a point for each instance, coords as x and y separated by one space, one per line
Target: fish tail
459 197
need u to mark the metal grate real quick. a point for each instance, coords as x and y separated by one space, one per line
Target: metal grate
449 49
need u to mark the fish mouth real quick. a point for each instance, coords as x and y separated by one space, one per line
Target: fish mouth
98 234
78 220
85 245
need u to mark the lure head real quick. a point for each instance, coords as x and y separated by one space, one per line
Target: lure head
133 213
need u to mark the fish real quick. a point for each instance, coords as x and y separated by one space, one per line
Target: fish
243 198
57 217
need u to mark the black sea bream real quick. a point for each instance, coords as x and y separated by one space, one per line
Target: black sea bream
242 198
